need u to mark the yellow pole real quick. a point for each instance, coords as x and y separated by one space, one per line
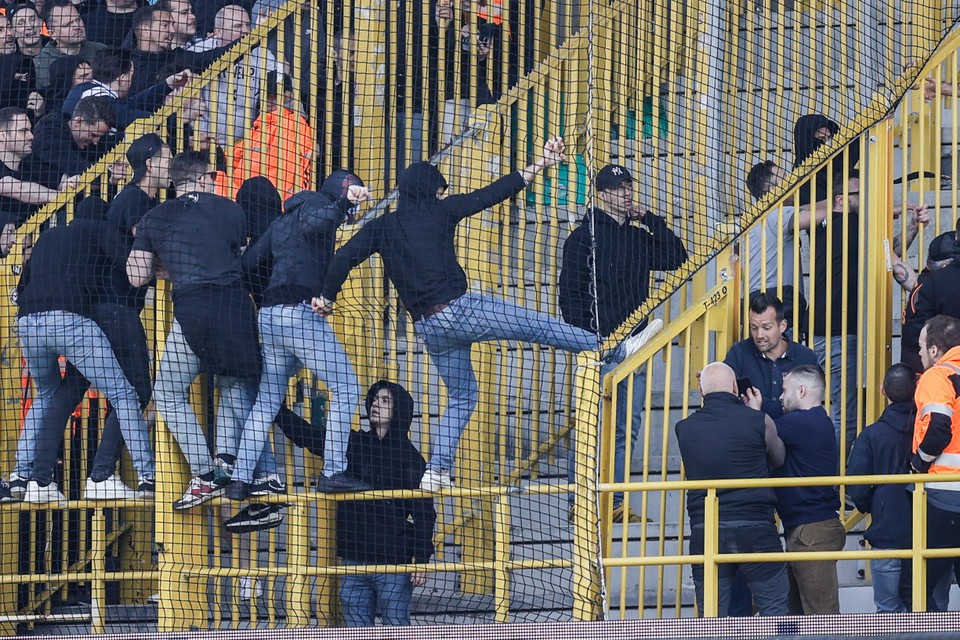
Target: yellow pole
919 546
711 548
98 568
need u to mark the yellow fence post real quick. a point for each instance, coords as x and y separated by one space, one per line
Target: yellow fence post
587 597
98 567
879 280
371 81
919 546
711 548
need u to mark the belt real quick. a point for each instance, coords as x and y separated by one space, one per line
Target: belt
432 311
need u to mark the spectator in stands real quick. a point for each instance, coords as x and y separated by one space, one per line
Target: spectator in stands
607 263
938 293
184 23
300 245
59 289
769 266
384 531
936 448
808 514
18 80
280 144
836 281
903 274
27 28
416 244
69 146
884 449
809 134
231 113
768 355
69 38
725 439
941 253
112 77
198 238
110 21
153 54
65 74
22 191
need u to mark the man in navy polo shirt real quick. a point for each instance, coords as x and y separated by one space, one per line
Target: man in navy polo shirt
767 356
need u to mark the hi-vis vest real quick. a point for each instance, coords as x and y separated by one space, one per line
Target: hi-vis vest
938 392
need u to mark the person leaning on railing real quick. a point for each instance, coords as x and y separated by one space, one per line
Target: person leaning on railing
725 439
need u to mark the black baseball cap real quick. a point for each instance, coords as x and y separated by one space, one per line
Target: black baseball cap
141 150
611 177
944 247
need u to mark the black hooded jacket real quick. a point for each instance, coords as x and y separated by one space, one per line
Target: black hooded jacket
884 448
386 531
300 243
416 242
804 146
261 205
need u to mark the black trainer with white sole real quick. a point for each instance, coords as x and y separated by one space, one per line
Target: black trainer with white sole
255 517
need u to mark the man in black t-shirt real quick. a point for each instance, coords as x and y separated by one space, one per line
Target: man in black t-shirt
723 440
198 238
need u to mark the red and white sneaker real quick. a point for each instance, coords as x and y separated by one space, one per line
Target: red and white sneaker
200 491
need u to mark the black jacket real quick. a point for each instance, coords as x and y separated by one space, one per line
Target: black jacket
416 242
883 448
386 531
937 293
625 256
910 333
72 268
300 243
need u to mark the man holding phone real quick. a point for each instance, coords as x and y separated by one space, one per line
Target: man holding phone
765 358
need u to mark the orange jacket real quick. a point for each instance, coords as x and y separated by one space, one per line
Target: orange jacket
936 434
279 147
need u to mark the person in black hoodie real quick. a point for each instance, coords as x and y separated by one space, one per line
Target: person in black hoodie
300 244
384 531
810 133
416 244
884 448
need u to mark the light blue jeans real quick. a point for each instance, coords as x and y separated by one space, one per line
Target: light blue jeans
44 337
620 436
362 594
293 336
450 334
886 585
178 368
837 365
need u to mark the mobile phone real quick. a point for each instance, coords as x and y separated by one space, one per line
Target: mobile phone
742 385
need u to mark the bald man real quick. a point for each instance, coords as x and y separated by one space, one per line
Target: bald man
726 439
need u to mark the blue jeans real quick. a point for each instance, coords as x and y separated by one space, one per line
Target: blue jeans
293 336
44 337
448 337
768 581
889 587
620 436
362 594
178 368
837 366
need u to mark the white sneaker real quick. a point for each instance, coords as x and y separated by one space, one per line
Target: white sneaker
434 480
18 486
42 495
633 344
110 489
250 588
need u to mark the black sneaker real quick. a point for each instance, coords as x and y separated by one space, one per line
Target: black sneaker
255 517
268 485
17 486
341 483
238 490
147 487
5 495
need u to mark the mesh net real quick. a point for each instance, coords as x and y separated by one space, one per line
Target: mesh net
306 304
